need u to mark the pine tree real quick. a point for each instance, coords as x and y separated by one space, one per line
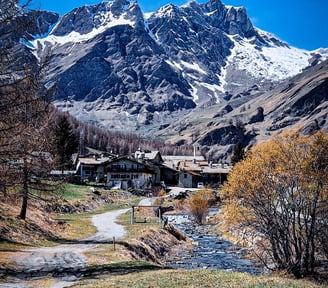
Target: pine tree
65 143
238 153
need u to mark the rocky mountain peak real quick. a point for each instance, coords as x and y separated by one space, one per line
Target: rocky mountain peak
214 6
79 19
168 10
232 20
237 22
85 19
122 71
119 6
135 13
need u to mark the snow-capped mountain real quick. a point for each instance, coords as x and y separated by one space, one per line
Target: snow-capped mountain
123 69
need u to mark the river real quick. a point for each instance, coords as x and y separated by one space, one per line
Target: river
209 251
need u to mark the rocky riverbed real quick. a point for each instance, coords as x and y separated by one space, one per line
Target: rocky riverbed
208 251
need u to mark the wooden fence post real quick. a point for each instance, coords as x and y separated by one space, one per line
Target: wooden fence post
132 215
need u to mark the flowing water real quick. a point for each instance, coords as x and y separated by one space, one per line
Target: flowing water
209 250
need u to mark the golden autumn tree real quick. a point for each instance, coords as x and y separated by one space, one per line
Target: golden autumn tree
280 191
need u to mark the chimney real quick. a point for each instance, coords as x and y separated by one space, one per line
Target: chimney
196 149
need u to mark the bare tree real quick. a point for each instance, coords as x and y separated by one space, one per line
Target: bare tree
23 111
199 204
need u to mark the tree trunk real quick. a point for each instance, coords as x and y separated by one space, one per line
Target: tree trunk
4 190
22 214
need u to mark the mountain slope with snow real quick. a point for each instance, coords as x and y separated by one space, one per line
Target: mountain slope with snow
122 69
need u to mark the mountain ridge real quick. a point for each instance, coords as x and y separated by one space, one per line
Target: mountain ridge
126 70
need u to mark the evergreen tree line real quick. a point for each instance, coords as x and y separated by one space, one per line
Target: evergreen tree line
117 142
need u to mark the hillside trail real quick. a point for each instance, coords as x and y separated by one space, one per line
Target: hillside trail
67 260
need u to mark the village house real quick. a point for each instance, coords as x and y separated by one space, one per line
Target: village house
164 175
92 168
125 172
172 172
153 159
173 161
143 169
196 174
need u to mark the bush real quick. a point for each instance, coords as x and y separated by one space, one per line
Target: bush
199 204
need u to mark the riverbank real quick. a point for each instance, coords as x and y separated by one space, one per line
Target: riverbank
209 251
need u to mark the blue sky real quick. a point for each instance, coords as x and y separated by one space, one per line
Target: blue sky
301 23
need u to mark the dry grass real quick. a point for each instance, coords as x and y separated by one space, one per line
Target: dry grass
193 278
105 254
136 230
80 227
38 228
77 226
43 282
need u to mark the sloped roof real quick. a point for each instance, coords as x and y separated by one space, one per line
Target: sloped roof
94 160
182 158
189 166
216 170
150 155
128 159
173 161
204 167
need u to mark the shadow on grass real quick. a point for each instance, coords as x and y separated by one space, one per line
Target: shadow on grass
27 273
120 268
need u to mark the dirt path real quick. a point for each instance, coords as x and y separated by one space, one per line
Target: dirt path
107 226
64 260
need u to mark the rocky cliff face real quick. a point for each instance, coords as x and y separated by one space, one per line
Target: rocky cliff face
120 68
124 70
300 102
